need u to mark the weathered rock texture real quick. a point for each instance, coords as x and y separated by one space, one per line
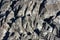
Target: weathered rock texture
29 19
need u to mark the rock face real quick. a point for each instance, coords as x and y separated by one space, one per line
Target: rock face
29 19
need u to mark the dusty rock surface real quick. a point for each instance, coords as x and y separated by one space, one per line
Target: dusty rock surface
29 19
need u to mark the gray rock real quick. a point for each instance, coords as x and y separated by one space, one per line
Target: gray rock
29 19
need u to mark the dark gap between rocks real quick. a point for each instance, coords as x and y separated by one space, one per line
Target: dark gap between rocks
42 5
37 31
58 13
34 6
6 36
12 5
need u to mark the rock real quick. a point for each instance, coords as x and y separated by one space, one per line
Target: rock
29 19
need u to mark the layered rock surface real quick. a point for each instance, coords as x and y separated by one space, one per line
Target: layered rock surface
29 19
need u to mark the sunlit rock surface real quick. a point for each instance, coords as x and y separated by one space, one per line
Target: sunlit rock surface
29 19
